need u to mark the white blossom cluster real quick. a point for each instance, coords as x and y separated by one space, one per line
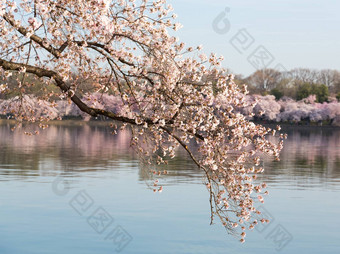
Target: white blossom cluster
142 76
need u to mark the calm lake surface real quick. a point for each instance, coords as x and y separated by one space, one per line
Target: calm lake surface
75 188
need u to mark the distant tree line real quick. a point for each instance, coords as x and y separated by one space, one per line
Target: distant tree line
297 83
297 96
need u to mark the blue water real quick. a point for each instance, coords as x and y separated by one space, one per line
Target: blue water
77 189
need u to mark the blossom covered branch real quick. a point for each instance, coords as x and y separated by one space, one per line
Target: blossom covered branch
173 96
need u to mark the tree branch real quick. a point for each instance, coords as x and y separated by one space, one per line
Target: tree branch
33 37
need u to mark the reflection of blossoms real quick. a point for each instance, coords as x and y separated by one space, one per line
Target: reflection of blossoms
318 162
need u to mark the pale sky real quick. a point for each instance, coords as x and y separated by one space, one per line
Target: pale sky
293 33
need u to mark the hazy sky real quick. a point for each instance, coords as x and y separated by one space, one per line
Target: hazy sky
293 33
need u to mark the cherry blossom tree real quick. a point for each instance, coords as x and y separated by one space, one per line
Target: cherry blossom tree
169 94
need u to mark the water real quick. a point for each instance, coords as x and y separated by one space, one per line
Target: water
53 183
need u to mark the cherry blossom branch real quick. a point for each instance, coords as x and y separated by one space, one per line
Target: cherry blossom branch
33 37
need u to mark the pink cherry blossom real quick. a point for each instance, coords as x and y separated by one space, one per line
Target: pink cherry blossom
118 60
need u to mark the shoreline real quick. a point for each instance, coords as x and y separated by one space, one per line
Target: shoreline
78 122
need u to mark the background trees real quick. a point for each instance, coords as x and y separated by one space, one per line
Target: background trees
297 83
264 80
306 89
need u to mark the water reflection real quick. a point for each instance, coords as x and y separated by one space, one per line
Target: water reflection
78 147
75 146
177 221
309 153
311 156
